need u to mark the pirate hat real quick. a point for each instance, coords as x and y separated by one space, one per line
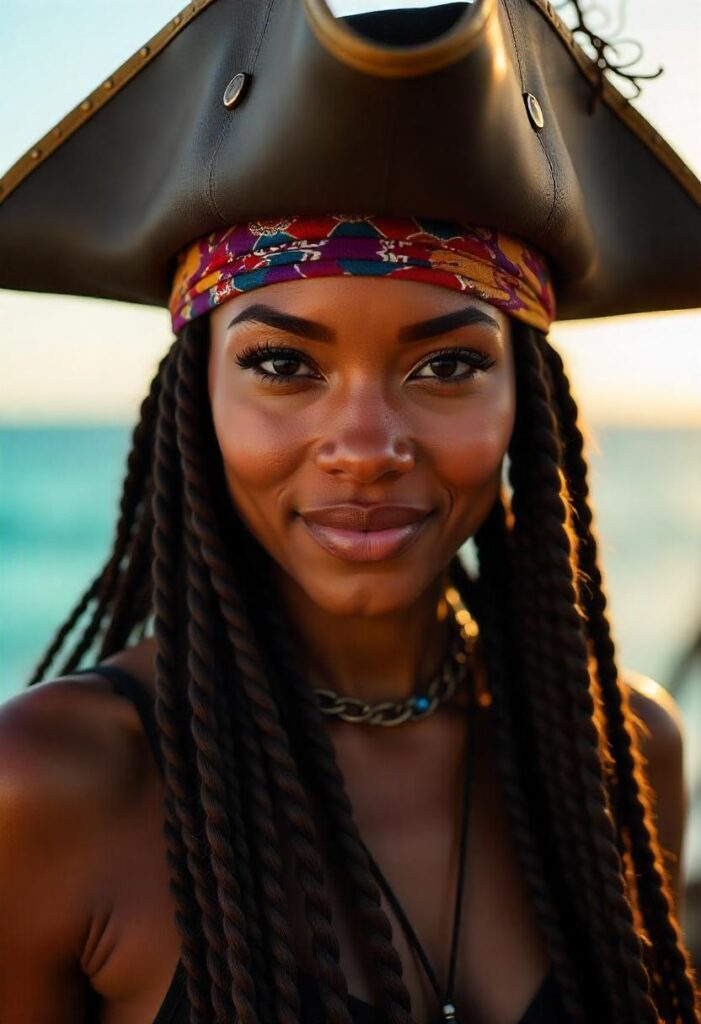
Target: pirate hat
481 113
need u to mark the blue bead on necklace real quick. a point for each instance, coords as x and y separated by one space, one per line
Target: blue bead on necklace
421 704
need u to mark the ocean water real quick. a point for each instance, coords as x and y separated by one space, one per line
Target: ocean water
59 489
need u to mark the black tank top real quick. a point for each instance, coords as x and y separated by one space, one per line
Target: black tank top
545 1007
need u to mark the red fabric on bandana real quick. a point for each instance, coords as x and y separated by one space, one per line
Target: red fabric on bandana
497 268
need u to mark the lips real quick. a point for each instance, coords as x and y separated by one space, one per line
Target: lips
365 517
365 533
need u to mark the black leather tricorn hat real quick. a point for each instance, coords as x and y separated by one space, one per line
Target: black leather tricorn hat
485 113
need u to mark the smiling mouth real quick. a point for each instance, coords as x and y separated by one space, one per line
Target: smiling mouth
365 533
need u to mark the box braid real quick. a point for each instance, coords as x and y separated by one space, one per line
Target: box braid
268 899
558 687
543 548
670 968
324 778
196 911
490 601
544 570
234 773
292 799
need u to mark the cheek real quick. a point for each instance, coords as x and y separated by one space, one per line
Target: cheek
468 460
259 448
471 449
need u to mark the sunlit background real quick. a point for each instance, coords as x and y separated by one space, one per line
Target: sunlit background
72 373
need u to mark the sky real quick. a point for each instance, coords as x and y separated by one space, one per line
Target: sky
79 360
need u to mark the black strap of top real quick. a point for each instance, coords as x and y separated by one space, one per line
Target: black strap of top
130 687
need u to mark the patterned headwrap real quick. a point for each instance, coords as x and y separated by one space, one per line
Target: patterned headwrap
482 262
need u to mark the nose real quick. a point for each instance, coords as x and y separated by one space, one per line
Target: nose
366 440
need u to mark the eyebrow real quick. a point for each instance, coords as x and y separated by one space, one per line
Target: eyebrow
261 314
468 317
284 322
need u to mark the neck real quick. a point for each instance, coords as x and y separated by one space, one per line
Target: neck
373 658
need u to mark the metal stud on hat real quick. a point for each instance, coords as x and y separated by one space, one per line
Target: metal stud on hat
235 90
535 111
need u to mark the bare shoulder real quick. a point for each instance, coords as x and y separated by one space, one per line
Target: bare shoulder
72 738
72 753
657 719
67 738
658 726
73 766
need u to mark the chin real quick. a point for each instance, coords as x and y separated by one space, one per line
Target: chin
364 593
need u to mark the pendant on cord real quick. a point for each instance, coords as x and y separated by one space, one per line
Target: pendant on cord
448 1011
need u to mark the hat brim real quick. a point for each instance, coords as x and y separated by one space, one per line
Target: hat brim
397 113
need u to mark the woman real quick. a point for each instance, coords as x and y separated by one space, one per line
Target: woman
327 431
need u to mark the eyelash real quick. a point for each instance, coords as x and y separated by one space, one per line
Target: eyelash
478 362
254 355
251 357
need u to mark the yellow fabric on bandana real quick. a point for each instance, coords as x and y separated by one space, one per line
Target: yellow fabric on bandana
497 268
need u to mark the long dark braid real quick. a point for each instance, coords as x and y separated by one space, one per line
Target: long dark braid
185 857
280 763
557 666
323 775
245 750
671 968
532 351
269 897
491 602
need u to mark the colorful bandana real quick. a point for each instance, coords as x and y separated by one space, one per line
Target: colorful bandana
487 264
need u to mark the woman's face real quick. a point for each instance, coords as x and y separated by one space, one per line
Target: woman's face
362 425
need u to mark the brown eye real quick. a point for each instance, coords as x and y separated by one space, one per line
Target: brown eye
275 364
284 367
443 367
453 366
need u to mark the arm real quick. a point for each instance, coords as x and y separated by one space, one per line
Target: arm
54 791
658 728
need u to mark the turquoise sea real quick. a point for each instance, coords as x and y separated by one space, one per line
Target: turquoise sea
59 489
58 495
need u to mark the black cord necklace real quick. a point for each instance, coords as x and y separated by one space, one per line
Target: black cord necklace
445 1000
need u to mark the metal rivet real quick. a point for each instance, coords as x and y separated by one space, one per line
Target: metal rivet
144 51
234 92
35 154
176 20
108 84
86 105
535 112
58 132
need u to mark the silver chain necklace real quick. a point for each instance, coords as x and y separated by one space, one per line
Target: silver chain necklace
420 705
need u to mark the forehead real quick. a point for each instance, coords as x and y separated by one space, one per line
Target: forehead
352 300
